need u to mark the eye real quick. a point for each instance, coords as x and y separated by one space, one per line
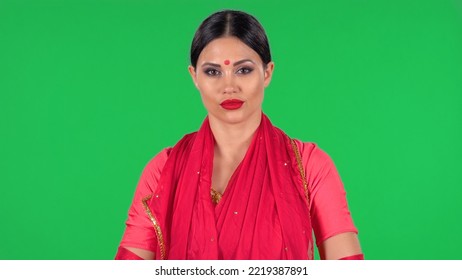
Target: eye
212 72
244 70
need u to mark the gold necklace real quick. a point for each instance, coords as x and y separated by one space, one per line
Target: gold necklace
216 196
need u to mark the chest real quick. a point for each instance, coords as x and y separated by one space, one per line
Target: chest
222 172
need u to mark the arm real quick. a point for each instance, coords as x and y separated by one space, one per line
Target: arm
139 240
144 254
336 235
340 246
131 253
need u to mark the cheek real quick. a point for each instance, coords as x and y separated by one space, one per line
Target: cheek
207 86
254 86
208 96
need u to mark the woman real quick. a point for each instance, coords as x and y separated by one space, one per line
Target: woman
239 188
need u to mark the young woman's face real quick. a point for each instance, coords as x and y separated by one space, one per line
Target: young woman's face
231 79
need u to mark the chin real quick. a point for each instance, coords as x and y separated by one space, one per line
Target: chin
235 117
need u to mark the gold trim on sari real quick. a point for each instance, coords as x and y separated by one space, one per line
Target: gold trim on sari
300 169
160 238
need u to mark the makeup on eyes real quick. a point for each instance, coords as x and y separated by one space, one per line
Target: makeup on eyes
214 72
211 71
245 70
214 69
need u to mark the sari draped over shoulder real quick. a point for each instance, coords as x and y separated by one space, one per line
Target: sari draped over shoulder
263 214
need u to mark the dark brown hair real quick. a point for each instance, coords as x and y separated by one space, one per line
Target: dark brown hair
231 23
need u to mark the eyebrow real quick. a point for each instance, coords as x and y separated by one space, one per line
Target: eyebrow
234 64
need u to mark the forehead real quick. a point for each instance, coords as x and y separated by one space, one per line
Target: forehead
227 48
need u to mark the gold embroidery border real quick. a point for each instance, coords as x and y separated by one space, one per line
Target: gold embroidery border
300 169
160 238
310 252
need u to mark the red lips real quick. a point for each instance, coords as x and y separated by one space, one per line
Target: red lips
232 104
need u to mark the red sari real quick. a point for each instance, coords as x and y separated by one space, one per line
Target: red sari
263 213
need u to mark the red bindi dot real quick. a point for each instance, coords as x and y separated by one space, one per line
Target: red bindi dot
227 62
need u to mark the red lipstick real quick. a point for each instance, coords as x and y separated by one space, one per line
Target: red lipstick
232 104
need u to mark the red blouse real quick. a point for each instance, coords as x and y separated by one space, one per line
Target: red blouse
329 210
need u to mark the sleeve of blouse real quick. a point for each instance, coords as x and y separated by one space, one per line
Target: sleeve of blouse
139 231
328 205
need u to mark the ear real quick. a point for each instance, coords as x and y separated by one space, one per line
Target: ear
192 72
268 73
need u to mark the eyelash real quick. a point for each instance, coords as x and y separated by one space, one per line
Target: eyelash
242 71
246 70
209 71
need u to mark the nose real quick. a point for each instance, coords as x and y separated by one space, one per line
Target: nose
230 85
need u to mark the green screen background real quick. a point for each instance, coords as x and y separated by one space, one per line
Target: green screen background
90 91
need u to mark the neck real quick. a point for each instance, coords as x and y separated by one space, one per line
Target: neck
233 140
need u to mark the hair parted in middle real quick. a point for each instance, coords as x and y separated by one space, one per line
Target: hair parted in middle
230 23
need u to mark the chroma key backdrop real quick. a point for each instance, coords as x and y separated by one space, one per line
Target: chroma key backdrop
90 91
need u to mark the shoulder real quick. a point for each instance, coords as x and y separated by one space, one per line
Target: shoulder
153 169
320 170
312 154
157 162
321 173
